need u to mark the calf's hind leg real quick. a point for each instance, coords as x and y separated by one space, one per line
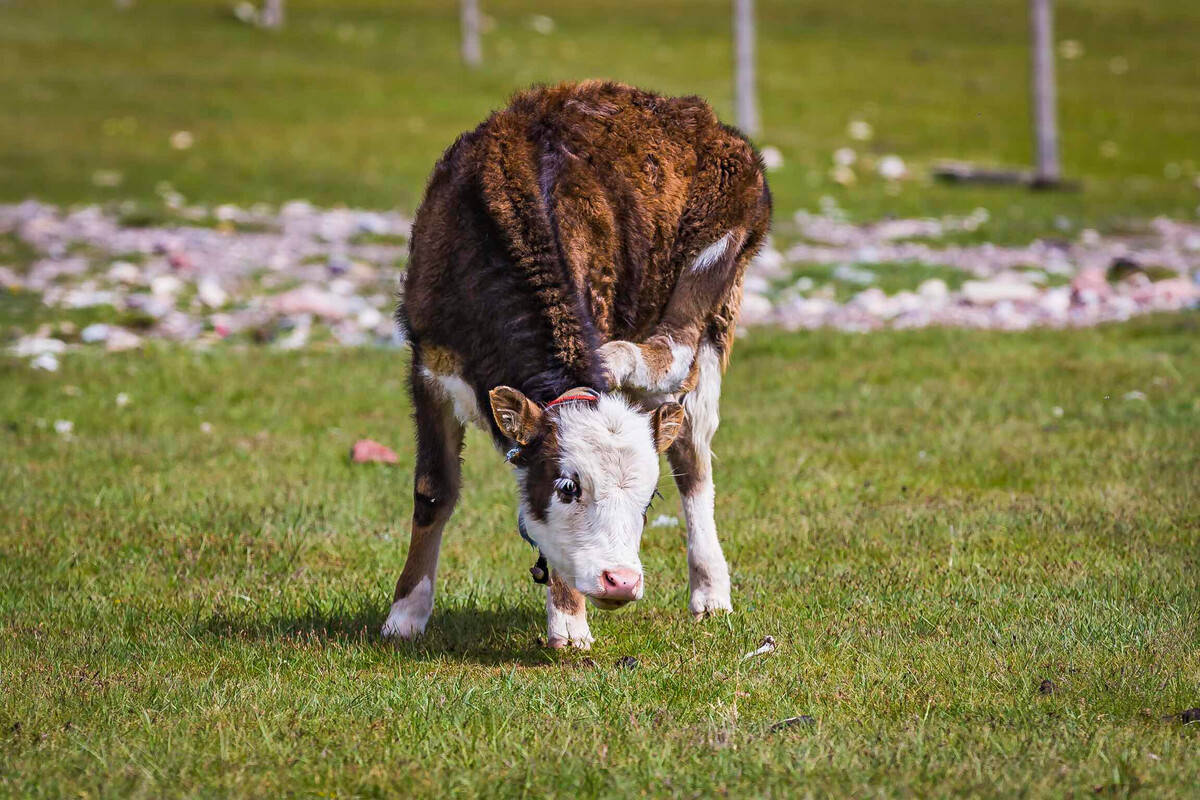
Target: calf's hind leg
437 480
691 462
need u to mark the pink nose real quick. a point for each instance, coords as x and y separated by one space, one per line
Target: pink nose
620 584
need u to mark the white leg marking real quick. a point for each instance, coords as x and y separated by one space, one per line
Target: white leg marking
563 629
708 573
712 254
626 366
459 393
621 360
409 615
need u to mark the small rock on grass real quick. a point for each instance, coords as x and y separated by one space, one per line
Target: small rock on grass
1189 716
627 662
46 361
366 451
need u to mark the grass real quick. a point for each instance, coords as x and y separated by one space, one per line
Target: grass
929 523
352 102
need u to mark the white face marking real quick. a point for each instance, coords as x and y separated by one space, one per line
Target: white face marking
607 449
458 392
712 254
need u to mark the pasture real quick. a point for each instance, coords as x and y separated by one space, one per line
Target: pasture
352 102
930 525
977 552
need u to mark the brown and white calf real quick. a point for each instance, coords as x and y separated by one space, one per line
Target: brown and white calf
574 281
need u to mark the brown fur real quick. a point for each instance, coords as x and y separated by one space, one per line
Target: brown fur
441 360
686 466
667 423
436 484
564 596
657 354
572 218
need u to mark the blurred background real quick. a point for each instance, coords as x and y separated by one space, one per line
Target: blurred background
224 113
351 102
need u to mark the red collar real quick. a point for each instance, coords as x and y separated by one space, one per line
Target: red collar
570 398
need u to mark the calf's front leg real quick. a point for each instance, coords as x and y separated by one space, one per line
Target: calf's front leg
566 615
436 485
691 460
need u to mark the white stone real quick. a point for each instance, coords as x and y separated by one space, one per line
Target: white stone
210 293
28 346
369 318
124 272
844 156
860 130
120 339
46 361
769 262
756 309
982 293
756 284
772 158
96 332
892 168
165 285
1055 301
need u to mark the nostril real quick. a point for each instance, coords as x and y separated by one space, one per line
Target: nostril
620 583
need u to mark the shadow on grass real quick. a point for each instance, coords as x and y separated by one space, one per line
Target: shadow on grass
464 632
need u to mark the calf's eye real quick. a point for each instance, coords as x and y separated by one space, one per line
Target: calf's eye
567 489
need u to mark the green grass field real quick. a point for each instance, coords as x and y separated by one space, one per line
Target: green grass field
931 524
352 101
925 536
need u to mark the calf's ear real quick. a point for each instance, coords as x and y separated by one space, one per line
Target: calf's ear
517 416
666 422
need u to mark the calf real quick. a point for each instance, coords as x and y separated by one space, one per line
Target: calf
574 281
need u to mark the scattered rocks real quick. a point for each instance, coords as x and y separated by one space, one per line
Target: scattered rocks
210 273
301 275
31 346
1046 283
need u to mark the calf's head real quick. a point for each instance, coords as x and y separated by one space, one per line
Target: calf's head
587 469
